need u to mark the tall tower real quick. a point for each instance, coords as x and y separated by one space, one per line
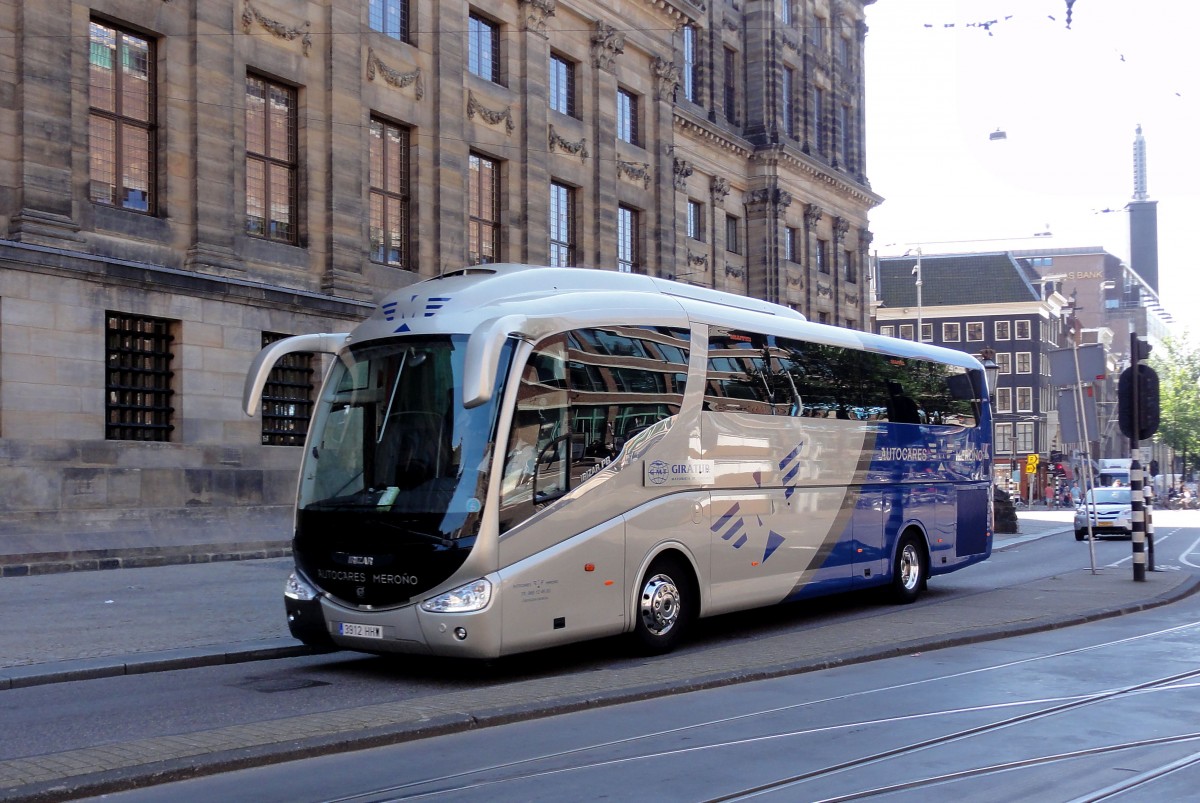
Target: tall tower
1143 219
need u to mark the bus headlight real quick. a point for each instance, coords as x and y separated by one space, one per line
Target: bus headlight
297 587
474 596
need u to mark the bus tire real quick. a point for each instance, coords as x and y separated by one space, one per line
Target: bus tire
666 605
910 570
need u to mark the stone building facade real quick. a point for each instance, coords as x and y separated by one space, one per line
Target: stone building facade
182 182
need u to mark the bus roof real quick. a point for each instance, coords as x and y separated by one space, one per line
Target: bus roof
492 302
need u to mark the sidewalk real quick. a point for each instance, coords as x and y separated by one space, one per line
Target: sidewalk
92 624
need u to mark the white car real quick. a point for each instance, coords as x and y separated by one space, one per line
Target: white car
1111 512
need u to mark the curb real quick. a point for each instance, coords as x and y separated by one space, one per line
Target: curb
25 676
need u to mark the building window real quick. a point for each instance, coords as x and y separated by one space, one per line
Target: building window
1025 400
390 17
138 378
818 120
822 256
818 32
950 333
628 240
1003 330
389 177
1004 361
822 317
1004 400
791 244
733 242
926 333
1023 330
785 11
906 331
562 85
887 331
846 131
974 331
483 236
843 51
483 48
287 397
789 108
695 220
562 225
270 160
1004 438
691 82
121 119
851 267
730 85
1024 362
1024 435
627 117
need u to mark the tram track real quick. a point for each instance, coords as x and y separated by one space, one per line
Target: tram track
577 759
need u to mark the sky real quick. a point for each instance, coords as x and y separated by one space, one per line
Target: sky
1068 100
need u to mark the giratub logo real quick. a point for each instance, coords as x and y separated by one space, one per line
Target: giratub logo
659 472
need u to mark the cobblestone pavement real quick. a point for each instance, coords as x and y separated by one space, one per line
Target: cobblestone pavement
90 624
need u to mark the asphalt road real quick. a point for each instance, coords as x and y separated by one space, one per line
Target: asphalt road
110 732
1107 709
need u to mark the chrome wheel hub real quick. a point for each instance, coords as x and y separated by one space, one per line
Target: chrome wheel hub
910 567
659 605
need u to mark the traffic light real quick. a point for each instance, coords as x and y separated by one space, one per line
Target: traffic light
1142 349
1147 393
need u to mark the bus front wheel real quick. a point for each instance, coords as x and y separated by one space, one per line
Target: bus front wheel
666 606
910 570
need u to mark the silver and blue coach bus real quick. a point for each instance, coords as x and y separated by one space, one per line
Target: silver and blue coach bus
510 457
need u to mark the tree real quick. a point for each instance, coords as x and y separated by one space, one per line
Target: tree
1178 365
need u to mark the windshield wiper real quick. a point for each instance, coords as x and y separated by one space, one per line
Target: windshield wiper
431 537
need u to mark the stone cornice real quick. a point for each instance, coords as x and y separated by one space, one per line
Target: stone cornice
819 173
702 130
680 13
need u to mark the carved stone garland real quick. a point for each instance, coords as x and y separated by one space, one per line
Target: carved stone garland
635 171
490 116
578 148
251 14
394 77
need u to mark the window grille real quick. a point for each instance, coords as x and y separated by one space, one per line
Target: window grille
287 397
138 378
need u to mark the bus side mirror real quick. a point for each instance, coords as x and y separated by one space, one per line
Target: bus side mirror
260 369
482 360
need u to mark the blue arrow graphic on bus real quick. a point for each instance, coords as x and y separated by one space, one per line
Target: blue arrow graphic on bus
774 541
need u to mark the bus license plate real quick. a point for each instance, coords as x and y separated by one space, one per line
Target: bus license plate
361 631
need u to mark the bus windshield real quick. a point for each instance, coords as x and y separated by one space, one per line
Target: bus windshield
392 439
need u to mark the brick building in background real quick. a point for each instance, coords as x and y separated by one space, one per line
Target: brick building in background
183 182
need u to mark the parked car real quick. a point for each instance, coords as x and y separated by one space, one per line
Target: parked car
1111 512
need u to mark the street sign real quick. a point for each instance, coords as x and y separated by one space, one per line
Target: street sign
1031 464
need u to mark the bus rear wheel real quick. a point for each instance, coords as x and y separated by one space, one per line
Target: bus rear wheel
666 606
910 571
